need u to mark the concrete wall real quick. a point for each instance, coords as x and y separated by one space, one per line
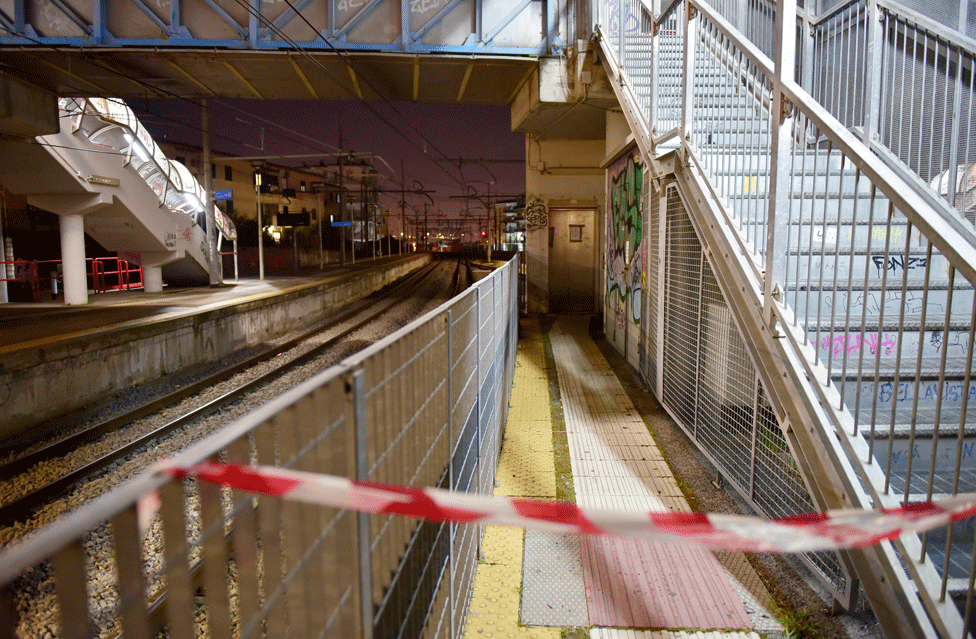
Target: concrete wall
37 384
558 174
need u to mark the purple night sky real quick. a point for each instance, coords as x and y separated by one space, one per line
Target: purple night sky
421 133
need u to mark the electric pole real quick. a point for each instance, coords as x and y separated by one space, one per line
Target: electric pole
403 205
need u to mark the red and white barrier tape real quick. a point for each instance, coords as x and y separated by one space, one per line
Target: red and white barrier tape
833 530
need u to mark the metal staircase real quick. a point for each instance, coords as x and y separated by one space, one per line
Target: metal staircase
811 299
138 201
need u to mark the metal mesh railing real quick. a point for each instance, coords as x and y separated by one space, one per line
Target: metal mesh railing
712 389
421 407
652 317
682 302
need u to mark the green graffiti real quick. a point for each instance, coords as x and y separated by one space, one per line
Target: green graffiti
624 235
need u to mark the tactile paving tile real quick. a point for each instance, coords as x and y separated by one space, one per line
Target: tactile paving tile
525 468
616 464
502 545
552 581
620 633
525 473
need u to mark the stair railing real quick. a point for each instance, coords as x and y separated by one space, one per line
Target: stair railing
865 285
906 84
903 81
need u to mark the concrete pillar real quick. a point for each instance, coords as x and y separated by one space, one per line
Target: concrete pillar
152 278
73 259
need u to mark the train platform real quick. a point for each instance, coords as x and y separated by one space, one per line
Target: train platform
574 434
36 324
56 359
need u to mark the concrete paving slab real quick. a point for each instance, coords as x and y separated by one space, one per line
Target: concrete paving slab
552 581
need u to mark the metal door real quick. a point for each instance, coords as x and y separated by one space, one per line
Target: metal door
572 260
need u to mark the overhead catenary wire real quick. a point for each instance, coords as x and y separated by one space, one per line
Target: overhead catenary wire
305 54
161 92
301 51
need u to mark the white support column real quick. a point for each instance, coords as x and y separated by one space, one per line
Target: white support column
73 259
152 279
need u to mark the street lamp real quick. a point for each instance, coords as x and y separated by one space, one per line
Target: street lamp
257 194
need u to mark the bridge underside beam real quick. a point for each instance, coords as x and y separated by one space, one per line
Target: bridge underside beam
276 75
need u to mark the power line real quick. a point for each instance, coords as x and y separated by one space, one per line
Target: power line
166 93
270 25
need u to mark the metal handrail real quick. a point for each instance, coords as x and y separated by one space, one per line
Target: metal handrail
793 133
934 27
669 7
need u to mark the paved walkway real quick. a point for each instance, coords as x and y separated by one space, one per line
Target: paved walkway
535 584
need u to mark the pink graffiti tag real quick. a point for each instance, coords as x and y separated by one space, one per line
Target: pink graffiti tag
853 343
886 342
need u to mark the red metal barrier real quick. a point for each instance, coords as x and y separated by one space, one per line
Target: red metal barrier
127 275
99 270
24 271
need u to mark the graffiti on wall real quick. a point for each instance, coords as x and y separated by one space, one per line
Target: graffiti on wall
536 216
626 256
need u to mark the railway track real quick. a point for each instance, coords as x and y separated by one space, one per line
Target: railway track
359 315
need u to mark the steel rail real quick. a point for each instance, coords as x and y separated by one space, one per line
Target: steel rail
65 445
19 508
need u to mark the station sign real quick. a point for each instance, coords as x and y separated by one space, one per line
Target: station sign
226 194
342 224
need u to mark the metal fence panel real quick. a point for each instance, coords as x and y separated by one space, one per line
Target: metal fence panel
421 407
712 390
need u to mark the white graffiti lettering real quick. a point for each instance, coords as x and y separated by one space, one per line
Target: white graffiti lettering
423 6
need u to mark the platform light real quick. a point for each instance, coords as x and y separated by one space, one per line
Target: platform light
194 201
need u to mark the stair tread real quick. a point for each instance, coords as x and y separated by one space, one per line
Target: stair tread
930 369
875 285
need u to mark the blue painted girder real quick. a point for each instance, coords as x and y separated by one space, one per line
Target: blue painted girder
475 26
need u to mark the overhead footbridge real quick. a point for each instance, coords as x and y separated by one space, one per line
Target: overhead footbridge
104 175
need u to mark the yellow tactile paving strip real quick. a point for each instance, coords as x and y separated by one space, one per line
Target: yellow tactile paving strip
525 469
